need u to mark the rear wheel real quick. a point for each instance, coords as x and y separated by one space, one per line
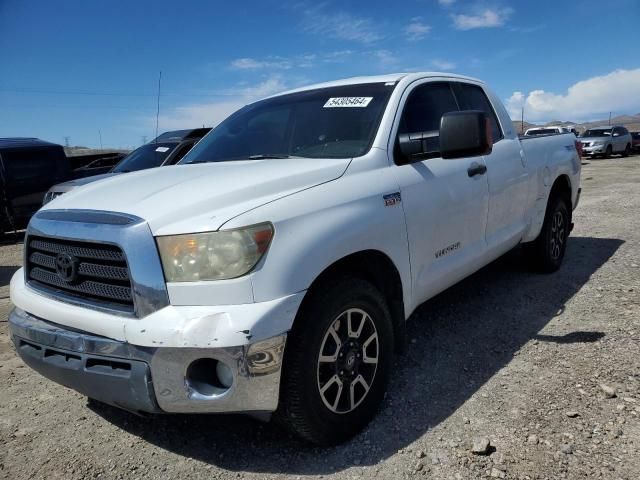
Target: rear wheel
337 362
627 151
546 252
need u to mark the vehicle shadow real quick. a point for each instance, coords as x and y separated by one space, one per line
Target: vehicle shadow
6 272
457 342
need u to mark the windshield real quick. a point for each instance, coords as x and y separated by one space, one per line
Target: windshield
336 122
597 132
542 131
147 156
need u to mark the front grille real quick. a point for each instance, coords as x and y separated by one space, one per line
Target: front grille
100 273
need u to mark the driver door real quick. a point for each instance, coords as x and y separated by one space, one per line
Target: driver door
445 202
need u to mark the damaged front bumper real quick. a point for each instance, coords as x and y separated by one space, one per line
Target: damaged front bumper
152 379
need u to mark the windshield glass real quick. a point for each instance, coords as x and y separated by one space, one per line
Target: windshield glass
542 131
336 122
147 156
597 132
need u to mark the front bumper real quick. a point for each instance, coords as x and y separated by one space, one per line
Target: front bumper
594 150
148 379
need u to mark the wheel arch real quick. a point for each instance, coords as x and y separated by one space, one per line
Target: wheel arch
377 268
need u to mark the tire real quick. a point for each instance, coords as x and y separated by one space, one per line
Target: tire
627 151
317 402
608 152
545 253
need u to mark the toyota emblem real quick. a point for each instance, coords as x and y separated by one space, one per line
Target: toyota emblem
66 267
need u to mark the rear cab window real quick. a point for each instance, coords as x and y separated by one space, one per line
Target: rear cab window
473 97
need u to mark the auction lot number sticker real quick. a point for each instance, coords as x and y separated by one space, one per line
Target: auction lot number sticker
341 102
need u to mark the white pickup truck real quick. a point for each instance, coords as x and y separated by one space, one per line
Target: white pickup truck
273 271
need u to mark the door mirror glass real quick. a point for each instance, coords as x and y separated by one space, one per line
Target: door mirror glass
465 134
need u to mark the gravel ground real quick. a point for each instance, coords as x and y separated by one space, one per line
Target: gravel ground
545 368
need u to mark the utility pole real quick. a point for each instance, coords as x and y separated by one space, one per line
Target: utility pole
609 118
522 122
100 134
158 109
144 139
66 141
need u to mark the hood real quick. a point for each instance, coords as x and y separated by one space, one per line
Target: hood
598 137
66 186
197 198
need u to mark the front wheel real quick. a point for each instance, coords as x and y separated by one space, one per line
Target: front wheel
337 362
627 151
546 252
608 152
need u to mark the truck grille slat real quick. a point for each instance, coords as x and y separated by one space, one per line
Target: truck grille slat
100 274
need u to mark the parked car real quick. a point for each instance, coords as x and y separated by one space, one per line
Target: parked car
635 141
606 141
274 272
549 130
28 167
98 166
166 149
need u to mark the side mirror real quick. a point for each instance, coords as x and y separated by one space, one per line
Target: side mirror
616 134
465 134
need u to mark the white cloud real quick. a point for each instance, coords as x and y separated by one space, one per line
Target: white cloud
211 113
385 57
253 64
443 64
339 25
416 30
487 18
618 91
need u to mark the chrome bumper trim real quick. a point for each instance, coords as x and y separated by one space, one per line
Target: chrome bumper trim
255 367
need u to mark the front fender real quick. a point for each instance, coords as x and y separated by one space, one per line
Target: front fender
317 227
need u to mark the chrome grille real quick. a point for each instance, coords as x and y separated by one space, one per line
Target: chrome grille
100 270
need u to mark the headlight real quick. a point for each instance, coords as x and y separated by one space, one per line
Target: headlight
213 255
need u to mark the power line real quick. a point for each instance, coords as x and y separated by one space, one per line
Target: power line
114 94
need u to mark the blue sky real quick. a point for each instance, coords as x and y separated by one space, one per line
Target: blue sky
88 68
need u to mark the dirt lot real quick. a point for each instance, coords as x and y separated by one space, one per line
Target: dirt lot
515 357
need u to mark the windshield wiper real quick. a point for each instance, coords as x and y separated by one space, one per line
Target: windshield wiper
263 156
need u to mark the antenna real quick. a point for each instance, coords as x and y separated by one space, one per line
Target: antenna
144 139
158 109
100 134
522 122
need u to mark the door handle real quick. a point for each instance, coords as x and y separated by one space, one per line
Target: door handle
476 169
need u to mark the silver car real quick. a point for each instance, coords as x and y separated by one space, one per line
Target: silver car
606 141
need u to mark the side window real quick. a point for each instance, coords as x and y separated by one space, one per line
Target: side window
472 97
182 151
425 106
623 131
615 131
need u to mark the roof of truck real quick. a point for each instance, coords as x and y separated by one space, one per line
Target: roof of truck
391 77
24 142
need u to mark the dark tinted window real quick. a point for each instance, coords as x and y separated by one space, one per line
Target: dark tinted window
37 165
147 156
335 122
635 135
472 97
541 131
623 131
182 151
425 106
597 132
